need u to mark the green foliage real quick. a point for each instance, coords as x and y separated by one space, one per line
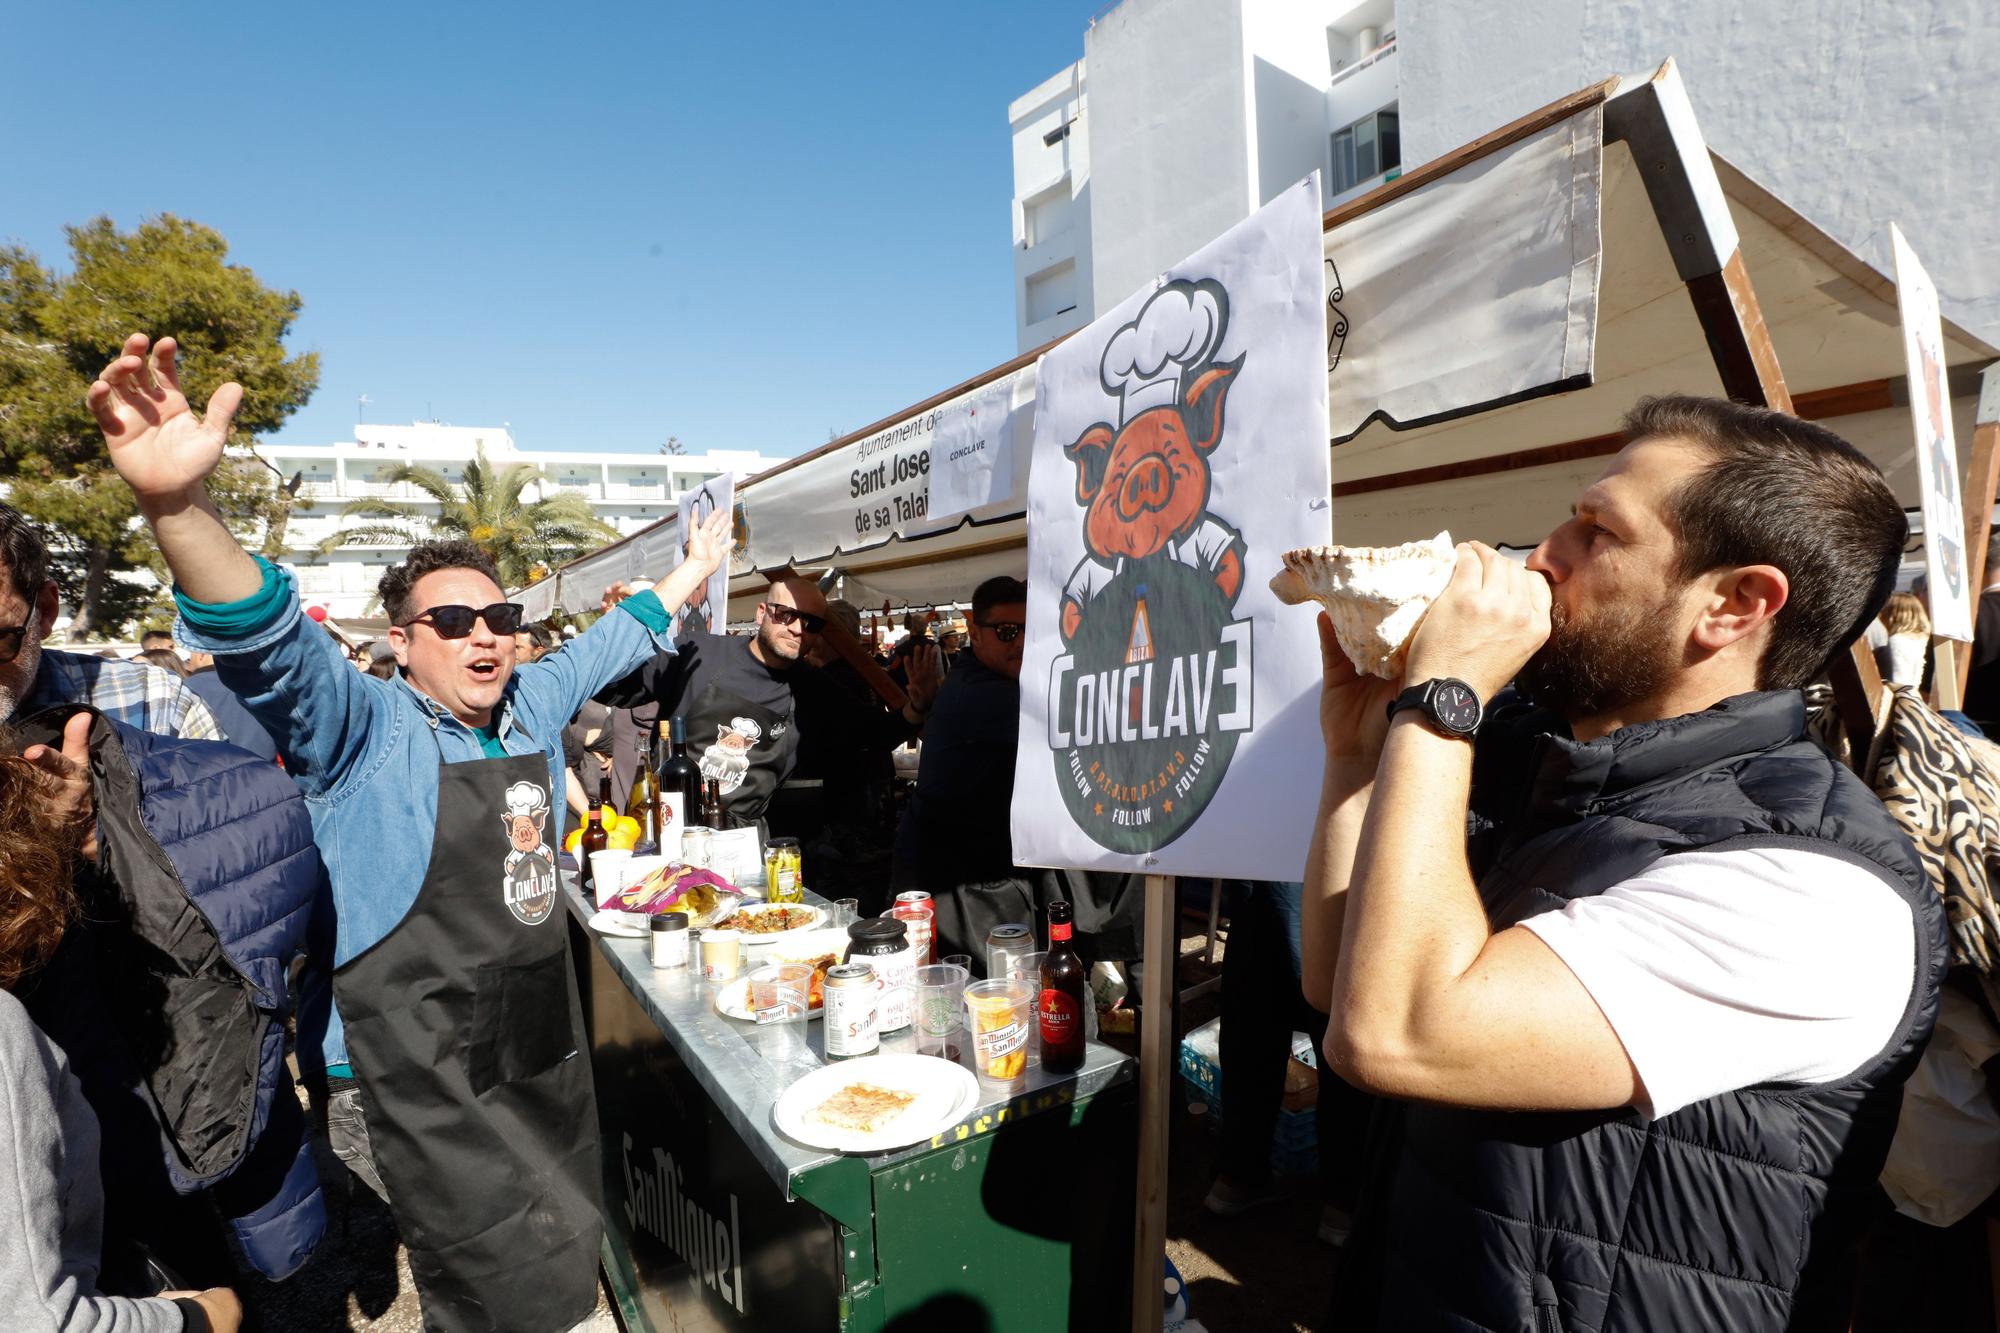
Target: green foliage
167 276
525 540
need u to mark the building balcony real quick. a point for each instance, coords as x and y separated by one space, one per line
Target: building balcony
1375 57
636 490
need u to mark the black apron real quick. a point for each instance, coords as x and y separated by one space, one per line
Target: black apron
748 771
467 1038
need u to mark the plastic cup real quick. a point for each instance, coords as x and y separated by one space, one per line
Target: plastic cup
940 1007
1002 1010
1028 967
846 911
963 960
778 996
607 875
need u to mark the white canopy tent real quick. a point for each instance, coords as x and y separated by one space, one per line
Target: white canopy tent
1671 308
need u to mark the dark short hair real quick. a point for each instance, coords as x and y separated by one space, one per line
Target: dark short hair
166 634
1784 492
538 634
429 558
1000 591
25 554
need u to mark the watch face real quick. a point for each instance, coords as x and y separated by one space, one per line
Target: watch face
1455 706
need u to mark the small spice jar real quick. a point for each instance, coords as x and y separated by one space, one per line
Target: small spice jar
670 939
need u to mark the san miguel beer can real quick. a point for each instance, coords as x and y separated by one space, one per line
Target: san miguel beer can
848 995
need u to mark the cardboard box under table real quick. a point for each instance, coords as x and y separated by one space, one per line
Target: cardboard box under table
1017 1217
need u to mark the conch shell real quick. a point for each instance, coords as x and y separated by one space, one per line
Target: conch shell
1375 595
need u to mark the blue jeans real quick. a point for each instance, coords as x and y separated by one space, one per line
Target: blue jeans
1262 1006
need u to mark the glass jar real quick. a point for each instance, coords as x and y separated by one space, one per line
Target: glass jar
883 944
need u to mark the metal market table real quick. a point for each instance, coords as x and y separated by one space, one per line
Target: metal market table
1019 1217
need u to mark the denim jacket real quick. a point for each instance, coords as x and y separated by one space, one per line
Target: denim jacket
366 751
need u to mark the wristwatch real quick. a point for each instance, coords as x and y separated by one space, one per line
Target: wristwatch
1449 705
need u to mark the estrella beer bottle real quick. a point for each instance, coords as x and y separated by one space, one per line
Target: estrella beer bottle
1064 992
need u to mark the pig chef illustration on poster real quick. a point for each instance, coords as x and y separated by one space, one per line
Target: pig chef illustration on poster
1147 615
1159 510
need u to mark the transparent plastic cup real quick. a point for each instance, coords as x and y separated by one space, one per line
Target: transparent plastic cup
779 996
1002 1010
939 991
1028 967
607 875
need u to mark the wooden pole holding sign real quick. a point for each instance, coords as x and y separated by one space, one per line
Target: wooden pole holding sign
1161 953
1982 482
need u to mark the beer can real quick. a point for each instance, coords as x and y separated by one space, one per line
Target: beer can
848 995
915 908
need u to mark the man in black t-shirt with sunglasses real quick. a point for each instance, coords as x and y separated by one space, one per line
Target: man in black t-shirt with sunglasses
736 693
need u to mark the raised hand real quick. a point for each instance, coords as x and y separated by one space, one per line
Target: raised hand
925 672
161 449
708 544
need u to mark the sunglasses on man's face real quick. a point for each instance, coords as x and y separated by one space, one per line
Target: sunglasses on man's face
785 615
1004 630
13 636
455 622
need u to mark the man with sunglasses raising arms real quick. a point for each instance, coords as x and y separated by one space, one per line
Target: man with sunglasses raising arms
454 1090
736 694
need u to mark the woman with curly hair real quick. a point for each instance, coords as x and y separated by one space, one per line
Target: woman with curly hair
51 1196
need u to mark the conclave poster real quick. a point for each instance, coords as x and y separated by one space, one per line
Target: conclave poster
708 607
1169 700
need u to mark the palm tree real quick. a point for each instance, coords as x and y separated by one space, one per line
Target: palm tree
486 511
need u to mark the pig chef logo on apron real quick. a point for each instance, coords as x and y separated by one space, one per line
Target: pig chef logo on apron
1146 706
728 760
528 879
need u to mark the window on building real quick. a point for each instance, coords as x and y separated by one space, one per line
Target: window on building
1052 292
1047 215
1366 149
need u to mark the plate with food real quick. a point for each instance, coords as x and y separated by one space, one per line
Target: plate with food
733 1000
876 1103
762 921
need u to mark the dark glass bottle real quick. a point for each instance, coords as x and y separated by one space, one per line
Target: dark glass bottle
595 839
712 813
680 779
1065 990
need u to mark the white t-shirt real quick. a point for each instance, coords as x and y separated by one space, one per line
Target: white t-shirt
1722 970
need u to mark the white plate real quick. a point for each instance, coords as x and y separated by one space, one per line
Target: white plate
944 1091
625 925
733 1001
759 909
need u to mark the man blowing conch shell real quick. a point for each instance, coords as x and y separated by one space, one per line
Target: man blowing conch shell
1644 967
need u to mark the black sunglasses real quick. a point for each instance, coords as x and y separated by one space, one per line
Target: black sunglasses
455 622
785 615
1004 630
12 637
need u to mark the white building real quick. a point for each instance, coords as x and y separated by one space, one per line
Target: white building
629 491
1855 113
1244 96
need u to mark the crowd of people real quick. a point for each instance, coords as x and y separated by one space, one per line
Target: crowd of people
1616 974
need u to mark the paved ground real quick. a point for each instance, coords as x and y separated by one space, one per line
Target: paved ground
1261 1271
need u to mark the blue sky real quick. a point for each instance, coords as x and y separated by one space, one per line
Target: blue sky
603 224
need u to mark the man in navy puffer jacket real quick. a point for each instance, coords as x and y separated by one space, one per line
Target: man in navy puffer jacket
1645 968
169 997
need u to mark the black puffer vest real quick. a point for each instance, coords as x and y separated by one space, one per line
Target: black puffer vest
1739 1212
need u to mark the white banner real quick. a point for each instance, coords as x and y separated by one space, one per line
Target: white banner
707 608
1168 700
1937 455
884 485
1477 289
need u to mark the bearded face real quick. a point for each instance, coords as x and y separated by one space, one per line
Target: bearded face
1612 655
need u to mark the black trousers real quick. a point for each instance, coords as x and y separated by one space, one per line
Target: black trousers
1262 1006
